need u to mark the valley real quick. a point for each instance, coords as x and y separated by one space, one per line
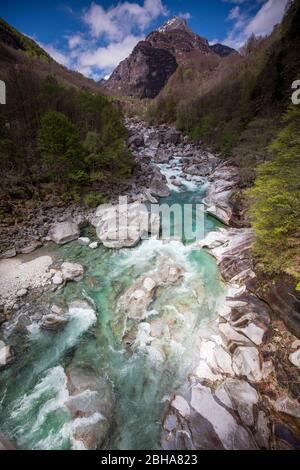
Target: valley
113 336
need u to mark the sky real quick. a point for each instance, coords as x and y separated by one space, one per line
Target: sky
92 37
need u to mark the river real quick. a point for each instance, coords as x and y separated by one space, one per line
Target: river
33 391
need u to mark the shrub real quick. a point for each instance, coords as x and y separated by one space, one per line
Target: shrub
204 129
58 142
276 201
94 199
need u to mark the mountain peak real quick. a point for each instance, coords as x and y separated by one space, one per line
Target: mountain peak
174 23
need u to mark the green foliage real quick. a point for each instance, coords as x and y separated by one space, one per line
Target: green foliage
6 143
205 129
23 42
58 142
94 199
276 201
72 138
298 286
230 136
79 177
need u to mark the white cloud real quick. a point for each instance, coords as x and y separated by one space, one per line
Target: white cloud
234 13
109 36
75 41
108 57
59 56
270 14
122 20
185 16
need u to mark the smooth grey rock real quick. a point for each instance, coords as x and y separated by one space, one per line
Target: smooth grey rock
22 292
241 397
177 183
9 254
149 197
159 188
136 300
203 371
263 433
56 310
288 406
223 360
181 405
31 247
232 336
7 355
93 245
72 271
295 358
84 241
53 322
246 363
124 225
64 232
232 435
254 333
57 279
91 404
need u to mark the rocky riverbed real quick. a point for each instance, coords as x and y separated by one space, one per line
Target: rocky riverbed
147 319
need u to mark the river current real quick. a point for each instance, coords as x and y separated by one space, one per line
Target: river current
33 391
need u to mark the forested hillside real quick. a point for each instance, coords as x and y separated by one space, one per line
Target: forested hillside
237 107
58 133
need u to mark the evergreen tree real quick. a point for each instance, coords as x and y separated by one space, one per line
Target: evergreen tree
276 201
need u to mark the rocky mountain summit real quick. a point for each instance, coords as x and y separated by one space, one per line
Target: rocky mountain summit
146 71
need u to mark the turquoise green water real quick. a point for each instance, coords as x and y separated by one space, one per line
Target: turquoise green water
34 390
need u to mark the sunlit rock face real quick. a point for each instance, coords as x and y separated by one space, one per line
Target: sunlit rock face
144 73
147 70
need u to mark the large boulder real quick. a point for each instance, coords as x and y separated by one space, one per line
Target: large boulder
159 188
295 358
217 201
232 435
124 225
162 155
64 232
198 421
91 406
53 322
246 363
136 300
239 395
288 406
7 355
172 136
5 444
72 271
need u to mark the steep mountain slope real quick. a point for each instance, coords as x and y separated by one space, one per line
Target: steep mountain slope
11 37
60 137
18 49
234 104
153 61
222 50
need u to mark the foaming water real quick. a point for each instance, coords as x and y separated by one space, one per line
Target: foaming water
143 374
